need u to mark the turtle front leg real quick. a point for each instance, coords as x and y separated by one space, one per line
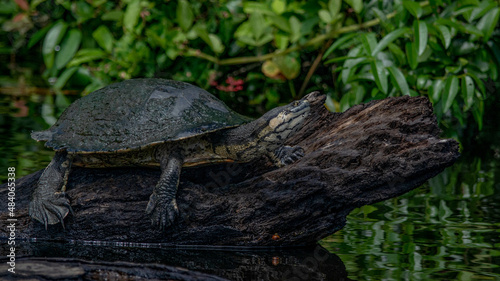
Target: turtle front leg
286 155
48 204
162 206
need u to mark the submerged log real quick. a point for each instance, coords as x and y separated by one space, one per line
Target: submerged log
370 153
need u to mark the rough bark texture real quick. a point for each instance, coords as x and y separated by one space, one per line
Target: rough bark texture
371 152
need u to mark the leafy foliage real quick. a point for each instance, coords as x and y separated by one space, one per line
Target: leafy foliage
353 50
441 50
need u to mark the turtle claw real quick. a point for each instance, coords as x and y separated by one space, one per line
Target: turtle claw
50 209
287 155
162 211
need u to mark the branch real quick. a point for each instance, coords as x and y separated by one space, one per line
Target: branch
316 40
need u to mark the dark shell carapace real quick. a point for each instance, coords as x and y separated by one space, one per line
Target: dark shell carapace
137 113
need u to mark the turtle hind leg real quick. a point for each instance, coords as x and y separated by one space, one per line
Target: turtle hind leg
286 155
48 204
162 205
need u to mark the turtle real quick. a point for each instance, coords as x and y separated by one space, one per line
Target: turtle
162 123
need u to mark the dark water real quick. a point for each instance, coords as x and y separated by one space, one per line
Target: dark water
448 229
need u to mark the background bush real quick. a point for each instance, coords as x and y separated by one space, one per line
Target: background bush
258 54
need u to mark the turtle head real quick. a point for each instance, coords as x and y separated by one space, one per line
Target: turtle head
279 123
265 134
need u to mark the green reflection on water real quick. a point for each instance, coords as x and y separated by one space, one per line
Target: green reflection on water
19 116
448 229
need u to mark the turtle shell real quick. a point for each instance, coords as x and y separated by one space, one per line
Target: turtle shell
137 113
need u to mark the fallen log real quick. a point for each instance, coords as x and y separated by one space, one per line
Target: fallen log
370 153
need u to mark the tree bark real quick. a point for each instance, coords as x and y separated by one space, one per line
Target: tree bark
370 153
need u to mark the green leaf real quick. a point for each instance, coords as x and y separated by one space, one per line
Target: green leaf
172 53
384 23
339 42
422 82
216 44
288 65
334 7
61 100
468 92
281 22
214 41
436 88
201 31
325 16
467 28
279 6
421 34
69 46
367 209
8 7
346 101
64 77
268 37
247 40
38 35
399 80
479 82
251 7
413 7
113 16
349 67
396 51
389 38
81 11
52 39
412 55
369 42
380 75
460 26
258 24
295 27
478 112
83 77
86 55
445 35
455 69
488 23
281 41
185 15
450 92
131 16
376 94
94 86
104 38
359 93
357 5
482 9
